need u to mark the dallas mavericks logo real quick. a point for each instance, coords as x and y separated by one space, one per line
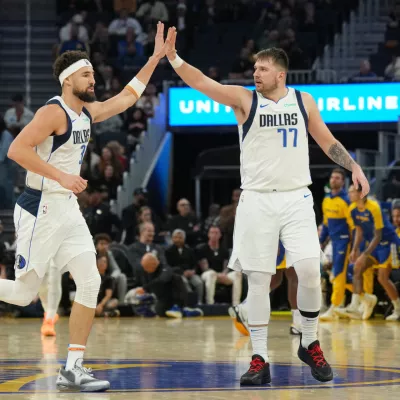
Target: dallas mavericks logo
20 262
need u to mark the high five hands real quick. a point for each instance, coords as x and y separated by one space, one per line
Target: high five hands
167 48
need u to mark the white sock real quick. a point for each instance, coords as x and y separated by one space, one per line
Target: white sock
75 352
258 335
309 327
355 300
396 305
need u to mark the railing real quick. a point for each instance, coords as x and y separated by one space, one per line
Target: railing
28 28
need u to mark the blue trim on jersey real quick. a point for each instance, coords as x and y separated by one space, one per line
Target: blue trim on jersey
302 108
59 140
29 200
249 121
87 113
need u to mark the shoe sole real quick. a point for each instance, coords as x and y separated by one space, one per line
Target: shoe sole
315 373
173 314
249 382
237 321
65 388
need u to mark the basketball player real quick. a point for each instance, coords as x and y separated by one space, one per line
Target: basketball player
336 226
239 313
274 122
373 226
48 222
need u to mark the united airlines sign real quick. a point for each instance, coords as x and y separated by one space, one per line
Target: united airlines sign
339 104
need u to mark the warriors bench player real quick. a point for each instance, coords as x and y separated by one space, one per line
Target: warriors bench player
47 219
274 122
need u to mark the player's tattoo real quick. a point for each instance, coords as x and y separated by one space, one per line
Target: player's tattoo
340 155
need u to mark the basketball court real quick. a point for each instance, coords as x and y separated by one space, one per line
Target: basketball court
200 359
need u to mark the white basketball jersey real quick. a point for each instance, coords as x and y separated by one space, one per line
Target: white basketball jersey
65 152
274 144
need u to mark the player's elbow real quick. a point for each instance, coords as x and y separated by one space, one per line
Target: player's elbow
12 153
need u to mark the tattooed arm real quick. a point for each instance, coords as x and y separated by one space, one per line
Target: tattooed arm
331 146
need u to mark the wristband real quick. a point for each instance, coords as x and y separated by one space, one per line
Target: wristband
136 87
176 62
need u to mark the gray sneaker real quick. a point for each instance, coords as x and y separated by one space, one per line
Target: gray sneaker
80 379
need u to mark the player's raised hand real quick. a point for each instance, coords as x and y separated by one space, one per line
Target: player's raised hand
360 181
159 45
170 43
73 182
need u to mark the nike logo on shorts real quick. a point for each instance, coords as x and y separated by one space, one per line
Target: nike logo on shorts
306 195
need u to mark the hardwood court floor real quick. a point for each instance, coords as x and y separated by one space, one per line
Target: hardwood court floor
200 359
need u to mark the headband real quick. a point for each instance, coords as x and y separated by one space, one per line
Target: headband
73 68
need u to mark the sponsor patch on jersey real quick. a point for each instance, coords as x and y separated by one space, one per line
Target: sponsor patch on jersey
20 262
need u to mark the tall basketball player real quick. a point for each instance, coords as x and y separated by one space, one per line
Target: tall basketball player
48 222
274 122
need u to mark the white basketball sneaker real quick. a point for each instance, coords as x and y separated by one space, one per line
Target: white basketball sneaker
80 379
329 315
369 302
394 316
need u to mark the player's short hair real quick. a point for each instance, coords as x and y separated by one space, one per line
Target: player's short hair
66 59
276 55
339 171
396 206
102 236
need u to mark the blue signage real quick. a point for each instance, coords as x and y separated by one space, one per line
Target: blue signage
339 104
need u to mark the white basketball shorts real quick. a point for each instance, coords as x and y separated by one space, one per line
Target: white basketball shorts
48 226
264 218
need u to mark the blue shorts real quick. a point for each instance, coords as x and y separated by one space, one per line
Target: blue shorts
340 251
381 255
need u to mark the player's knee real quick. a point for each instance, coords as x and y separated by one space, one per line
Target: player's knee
259 283
382 278
308 272
87 292
24 299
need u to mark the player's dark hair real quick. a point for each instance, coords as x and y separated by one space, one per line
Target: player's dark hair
339 171
276 55
66 59
396 206
102 236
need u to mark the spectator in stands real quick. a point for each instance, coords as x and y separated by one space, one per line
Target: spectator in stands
18 116
149 100
129 40
183 260
269 12
145 214
129 214
186 221
365 72
131 60
182 19
119 26
298 59
152 11
107 305
103 74
99 217
213 218
111 180
286 21
308 24
227 218
145 245
213 261
118 151
243 67
213 73
7 168
392 71
208 14
391 189
102 242
111 126
91 157
66 31
108 157
73 43
268 39
100 40
135 124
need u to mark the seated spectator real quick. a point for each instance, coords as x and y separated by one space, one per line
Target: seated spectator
184 22
73 43
286 21
66 31
130 39
100 40
365 72
152 11
118 152
145 245
213 261
119 26
243 67
183 260
131 60
268 39
185 221
298 59
135 124
102 242
146 215
111 180
18 116
213 219
227 219
149 100
129 215
7 168
110 126
391 189
99 217
213 73
107 305
392 71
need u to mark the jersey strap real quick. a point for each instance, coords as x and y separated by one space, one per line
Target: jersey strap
302 108
249 121
59 140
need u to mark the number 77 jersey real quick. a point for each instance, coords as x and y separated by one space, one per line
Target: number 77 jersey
65 152
274 144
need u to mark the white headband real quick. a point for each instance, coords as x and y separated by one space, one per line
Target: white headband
73 68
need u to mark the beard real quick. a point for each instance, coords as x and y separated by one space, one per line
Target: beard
266 89
85 96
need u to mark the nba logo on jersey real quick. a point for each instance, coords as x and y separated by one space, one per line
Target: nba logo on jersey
20 262
45 209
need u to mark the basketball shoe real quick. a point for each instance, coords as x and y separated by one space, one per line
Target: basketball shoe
258 373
